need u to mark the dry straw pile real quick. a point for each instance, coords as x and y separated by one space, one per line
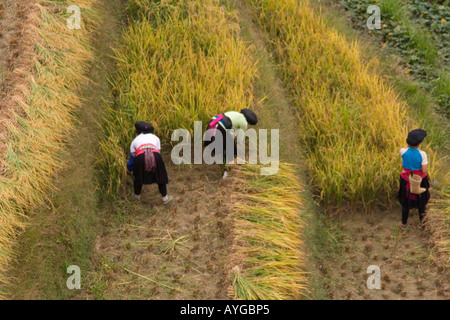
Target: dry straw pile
268 224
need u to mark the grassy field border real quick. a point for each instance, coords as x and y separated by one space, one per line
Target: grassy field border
420 47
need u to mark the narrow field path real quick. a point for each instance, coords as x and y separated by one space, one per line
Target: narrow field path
275 111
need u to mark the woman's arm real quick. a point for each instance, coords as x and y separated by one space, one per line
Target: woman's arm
424 162
130 163
133 149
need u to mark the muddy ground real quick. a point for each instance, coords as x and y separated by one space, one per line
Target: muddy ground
405 259
174 251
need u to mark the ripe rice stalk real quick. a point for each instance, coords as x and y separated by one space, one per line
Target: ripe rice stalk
244 289
267 250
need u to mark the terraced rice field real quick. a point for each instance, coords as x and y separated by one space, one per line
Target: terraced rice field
68 103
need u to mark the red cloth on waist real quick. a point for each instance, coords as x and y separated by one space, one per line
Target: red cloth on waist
143 147
215 121
406 173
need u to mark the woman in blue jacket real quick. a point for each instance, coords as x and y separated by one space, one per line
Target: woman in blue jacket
415 162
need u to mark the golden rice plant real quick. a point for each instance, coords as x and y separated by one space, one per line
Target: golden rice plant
42 118
267 250
179 62
352 123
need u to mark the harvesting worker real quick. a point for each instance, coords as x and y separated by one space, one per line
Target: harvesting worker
146 162
414 180
219 124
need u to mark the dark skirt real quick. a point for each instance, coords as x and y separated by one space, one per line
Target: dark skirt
421 200
225 135
158 176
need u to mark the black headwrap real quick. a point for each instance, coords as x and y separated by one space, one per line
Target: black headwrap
415 137
143 127
250 116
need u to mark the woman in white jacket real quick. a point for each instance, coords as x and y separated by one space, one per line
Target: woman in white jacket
148 166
